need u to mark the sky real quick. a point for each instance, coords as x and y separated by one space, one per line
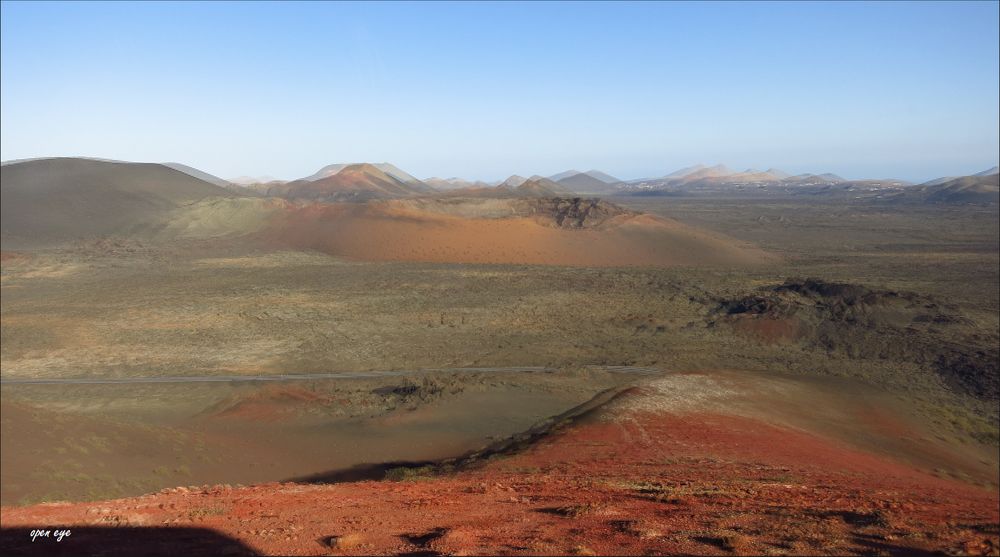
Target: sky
485 90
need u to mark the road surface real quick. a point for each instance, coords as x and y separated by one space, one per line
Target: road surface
300 376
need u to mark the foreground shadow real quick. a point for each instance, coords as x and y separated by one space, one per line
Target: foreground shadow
375 471
514 444
126 540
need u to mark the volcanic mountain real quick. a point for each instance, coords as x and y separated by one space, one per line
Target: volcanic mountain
943 179
720 179
538 186
681 172
446 184
602 176
977 188
593 181
48 201
389 169
515 186
596 174
52 201
717 171
513 181
520 230
721 175
354 182
199 174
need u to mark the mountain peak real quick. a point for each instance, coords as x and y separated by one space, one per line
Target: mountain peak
680 173
514 181
566 174
602 176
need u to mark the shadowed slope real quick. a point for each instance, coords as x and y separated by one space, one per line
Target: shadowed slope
119 539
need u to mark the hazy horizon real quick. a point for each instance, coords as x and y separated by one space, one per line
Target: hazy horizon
897 90
446 176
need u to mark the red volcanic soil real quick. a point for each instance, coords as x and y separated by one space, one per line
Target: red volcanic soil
356 179
617 481
387 232
769 330
10 256
268 404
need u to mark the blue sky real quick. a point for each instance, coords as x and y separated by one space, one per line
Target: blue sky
908 90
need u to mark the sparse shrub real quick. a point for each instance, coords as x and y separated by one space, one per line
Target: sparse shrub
410 473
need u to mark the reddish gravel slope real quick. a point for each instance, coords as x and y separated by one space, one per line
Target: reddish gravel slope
629 478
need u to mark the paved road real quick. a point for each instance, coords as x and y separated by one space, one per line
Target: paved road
303 376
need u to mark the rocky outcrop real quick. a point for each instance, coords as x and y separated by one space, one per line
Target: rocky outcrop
864 323
575 212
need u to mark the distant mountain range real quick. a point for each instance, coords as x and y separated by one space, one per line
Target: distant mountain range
721 174
364 181
702 180
455 183
982 187
367 181
938 181
514 186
